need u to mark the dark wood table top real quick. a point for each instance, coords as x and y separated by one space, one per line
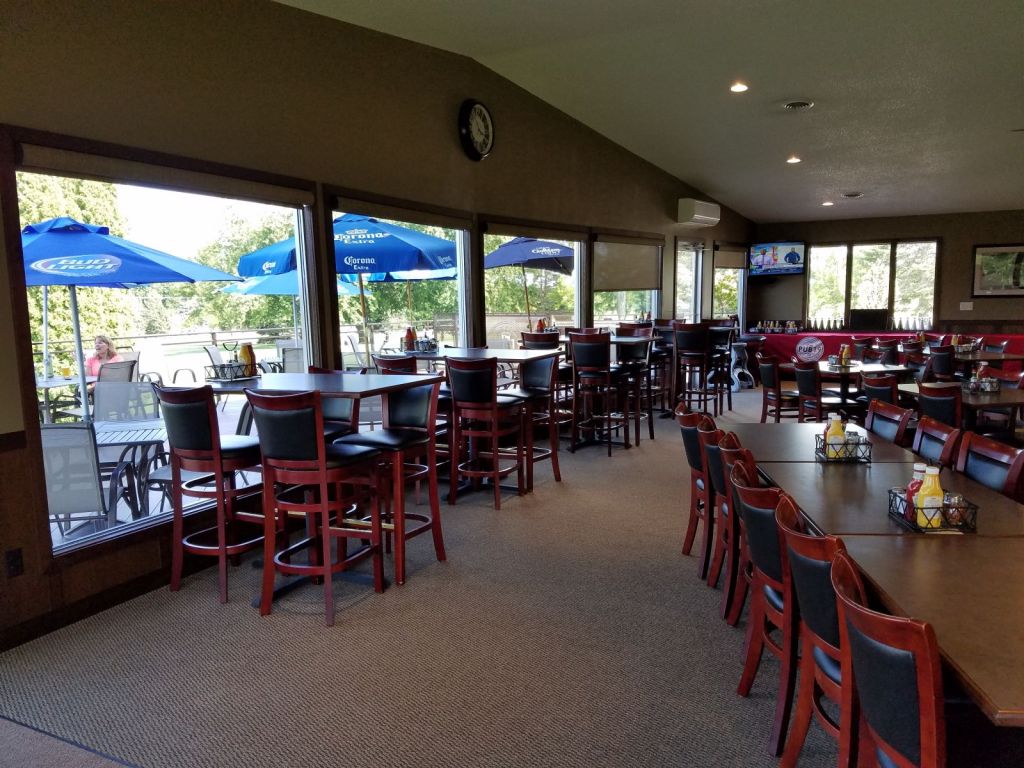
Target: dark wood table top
970 588
842 498
354 385
981 356
856 368
1006 397
790 441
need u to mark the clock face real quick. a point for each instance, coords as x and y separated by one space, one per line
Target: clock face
476 129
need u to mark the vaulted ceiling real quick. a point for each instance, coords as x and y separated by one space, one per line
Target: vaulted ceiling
918 105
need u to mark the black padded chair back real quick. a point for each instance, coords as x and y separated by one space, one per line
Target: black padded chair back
716 467
691 445
885 427
693 339
769 370
762 537
188 424
812 580
537 374
808 380
942 361
593 351
289 435
410 408
860 346
874 389
473 381
997 346
543 340
941 404
637 354
986 470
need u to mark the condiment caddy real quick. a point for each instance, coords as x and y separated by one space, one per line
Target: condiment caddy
924 507
839 444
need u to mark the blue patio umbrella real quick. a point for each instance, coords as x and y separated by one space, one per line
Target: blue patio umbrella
529 252
63 251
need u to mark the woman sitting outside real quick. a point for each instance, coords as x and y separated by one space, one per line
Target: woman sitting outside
106 352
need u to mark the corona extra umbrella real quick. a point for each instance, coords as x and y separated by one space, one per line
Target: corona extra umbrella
63 251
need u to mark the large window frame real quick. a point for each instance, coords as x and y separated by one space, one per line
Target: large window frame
892 278
692 252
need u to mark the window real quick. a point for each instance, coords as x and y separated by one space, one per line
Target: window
914 300
626 281
726 292
895 278
415 284
164 324
527 279
687 269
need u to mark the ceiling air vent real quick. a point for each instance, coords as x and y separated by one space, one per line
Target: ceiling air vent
853 195
798 105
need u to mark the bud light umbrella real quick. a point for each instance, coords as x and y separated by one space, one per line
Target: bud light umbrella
536 254
63 251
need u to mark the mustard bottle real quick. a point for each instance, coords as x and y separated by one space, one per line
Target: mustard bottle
928 500
248 359
834 436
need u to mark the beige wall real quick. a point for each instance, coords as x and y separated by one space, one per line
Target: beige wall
269 88
958 233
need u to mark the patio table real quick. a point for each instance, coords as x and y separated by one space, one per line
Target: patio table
139 440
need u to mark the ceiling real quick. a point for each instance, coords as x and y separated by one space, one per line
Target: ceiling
918 104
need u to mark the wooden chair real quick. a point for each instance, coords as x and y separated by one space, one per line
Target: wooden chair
936 441
883 387
407 443
481 415
941 402
888 351
811 401
731 532
306 477
775 401
888 421
700 493
991 463
635 362
894 667
599 388
709 436
538 387
770 611
809 585
1000 424
943 363
196 445
341 414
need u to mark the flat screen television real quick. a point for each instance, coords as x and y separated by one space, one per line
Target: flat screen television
777 259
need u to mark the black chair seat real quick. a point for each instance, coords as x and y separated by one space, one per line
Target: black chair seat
162 474
527 393
826 402
386 439
240 446
340 455
335 429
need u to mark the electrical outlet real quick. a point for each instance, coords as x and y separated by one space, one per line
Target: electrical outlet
15 562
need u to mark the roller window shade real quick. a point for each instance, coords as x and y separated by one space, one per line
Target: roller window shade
67 163
626 267
730 259
397 213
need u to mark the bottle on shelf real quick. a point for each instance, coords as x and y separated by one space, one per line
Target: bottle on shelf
835 436
910 513
247 359
928 500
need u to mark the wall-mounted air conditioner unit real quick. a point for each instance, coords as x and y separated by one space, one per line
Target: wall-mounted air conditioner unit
697 213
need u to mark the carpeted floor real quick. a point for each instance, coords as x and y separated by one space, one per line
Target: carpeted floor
564 630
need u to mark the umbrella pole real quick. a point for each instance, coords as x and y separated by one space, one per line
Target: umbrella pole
86 416
46 331
526 293
366 327
295 318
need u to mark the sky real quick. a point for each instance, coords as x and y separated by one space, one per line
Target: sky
177 222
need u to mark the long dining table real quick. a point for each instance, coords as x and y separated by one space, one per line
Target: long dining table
967 585
1006 399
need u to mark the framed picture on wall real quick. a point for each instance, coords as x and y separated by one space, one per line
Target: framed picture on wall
998 270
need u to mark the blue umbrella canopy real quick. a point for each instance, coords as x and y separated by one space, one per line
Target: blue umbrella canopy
63 251
362 245
534 254
281 284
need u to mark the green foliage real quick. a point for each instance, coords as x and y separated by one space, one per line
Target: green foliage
725 293
869 277
827 282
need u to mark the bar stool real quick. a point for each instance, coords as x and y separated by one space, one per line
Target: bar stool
537 387
775 401
636 360
549 340
700 493
409 419
304 476
479 413
598 387
196 445
691 364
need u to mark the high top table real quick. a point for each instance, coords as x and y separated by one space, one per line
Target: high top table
353 385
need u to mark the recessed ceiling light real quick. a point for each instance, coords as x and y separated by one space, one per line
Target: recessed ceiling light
828 202
792 159
853 195
738 87
798 105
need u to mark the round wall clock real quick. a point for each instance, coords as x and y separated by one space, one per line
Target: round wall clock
476 129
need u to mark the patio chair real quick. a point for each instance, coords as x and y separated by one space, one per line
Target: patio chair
74 480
